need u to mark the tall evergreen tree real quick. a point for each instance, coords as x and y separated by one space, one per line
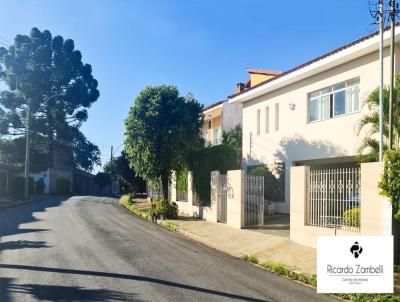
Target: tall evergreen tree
48 72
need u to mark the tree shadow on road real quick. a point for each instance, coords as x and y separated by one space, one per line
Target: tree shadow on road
22 244
129 277
60 293
11 219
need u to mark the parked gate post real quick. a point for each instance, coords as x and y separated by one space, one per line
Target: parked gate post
235 204
173 187
214 195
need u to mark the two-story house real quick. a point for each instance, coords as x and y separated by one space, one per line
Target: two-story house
308 115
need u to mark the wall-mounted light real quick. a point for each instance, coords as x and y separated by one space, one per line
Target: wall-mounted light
292 106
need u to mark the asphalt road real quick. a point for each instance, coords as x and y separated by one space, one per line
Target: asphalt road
92 249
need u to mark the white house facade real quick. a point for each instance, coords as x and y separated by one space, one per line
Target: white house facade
309 115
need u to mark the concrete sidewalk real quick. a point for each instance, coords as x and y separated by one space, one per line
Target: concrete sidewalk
238 243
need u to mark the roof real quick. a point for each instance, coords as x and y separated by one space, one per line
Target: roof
263 71
319 58
214 105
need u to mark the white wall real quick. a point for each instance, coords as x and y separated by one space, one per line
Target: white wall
297 139
231 116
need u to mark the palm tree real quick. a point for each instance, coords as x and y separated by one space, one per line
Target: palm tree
369 147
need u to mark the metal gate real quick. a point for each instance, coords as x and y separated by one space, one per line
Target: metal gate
253 200
334 198
222 198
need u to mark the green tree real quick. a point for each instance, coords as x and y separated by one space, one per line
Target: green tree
36 68
234 138
369 124
102 179
126 176
162 130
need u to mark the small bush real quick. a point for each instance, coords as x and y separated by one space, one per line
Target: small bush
352 217
39 186
161 208
63 185
251 259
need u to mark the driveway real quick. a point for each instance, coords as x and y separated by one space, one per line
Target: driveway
92 249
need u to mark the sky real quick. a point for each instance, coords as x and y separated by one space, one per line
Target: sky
202 47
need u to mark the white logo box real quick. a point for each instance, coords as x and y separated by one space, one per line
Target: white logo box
343 266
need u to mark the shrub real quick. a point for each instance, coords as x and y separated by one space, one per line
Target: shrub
18 186
390 180
182 180
352 217
161 208
63 185
39 186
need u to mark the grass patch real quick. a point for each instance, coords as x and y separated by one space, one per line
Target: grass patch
128 202
169 226
369 298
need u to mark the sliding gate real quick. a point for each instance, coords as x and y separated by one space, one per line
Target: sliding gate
253 200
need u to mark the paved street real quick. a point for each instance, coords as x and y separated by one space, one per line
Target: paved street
92 249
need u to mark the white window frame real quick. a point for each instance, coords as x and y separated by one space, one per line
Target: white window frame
329 91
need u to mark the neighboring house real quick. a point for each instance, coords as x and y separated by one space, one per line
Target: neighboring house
223 116
308 115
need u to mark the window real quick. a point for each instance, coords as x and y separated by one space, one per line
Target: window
340 99
276 117
258 121
266 119
209 124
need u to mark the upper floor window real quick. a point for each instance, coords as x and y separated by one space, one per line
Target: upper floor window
340 99
266 119
258 121
209 124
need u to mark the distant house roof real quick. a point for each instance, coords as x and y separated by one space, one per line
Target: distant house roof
214 105
263 71
330 53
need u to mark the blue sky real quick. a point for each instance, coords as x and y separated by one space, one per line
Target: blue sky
203 47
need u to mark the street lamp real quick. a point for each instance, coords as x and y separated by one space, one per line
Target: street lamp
27 143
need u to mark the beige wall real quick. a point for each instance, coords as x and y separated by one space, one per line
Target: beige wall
235 210
210 213
297 139
375 218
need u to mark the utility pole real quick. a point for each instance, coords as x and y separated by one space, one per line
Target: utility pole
381 80
392 45
111 159
27 150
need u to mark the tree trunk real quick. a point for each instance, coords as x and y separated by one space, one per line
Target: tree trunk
164 181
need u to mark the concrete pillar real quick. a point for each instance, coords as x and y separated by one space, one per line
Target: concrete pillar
173 186
298 201
214 195
235 199
190 188
376 210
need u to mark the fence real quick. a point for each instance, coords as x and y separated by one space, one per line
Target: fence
334 198
181 195
253 200
222 199
154 191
